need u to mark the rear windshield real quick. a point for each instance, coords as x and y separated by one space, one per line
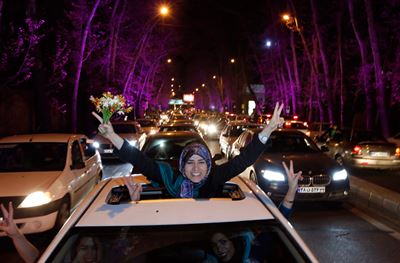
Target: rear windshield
26 157
147 123
257 241
124 128
296 143
167 149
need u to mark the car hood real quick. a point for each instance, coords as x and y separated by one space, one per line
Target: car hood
305 162
24 183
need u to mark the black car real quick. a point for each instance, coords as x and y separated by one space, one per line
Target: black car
323 178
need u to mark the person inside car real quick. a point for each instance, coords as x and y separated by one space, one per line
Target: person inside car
198 177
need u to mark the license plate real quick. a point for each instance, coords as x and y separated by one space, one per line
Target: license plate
311 189
379 154
108 150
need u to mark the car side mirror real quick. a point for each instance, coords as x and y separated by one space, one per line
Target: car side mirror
324 148
217 157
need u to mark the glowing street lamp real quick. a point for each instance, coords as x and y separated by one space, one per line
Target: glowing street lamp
197 89
214 77
291 22
164 10
268 43
203 85
169 60
173 79
232 60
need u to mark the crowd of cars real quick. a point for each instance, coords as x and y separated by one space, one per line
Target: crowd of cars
48 176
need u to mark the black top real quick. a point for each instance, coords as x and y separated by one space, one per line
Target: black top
219 174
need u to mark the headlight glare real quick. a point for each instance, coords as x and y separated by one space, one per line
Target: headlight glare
96 145
340 175
273 175
36 199
133 142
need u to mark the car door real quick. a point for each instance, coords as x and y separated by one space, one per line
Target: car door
81 177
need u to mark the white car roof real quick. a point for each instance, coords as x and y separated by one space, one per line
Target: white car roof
173 211
44 137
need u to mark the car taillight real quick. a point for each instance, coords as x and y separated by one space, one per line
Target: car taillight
356 150
398 152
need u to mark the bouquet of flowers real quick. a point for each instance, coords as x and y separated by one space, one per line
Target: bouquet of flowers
109 104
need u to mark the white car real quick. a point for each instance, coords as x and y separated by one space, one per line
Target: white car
46 176
162 229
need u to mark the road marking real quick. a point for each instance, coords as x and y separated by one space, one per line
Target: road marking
376 223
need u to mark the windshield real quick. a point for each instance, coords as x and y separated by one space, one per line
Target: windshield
292 143
167 149
29 157
258 241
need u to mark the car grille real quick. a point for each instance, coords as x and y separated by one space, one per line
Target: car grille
315 180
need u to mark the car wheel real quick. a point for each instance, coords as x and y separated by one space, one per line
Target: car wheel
339 159
253 177
63 213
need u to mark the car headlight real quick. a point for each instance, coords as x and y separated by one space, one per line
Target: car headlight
212 128
36 199
152 132
340 175
96 145
133 142
273 175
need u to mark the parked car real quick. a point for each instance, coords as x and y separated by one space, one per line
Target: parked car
129 130
149 126
46 176
395 139
323 179
230 133
361 149
162 229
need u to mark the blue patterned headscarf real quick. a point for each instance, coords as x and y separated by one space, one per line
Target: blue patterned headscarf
190 150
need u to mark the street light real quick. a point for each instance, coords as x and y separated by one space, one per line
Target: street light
169 60
232 60
203 85
291 22
164 10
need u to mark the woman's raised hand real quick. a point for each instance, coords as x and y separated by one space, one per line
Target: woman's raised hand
276 119
7 225
105 129
135 189
293 178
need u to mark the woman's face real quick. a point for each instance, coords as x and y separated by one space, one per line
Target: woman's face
195 168
222 247
86 251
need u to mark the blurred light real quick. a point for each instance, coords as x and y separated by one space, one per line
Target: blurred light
197 89
356 150
169 60
172 79
172 85
203 85
214 77
285 17
172 90
295 117
340 175
268 43
232 60
272 175
96 145
36 199
398 151
164 10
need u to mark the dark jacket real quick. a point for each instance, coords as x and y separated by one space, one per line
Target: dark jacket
219 174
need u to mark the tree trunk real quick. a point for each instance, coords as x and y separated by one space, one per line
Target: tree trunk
86 31
111 42
364 68
378 70
298 87
324 62
291 91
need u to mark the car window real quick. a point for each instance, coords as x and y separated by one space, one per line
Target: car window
25 157
255 241
124 128
147 123
298 125
76 153
290 143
